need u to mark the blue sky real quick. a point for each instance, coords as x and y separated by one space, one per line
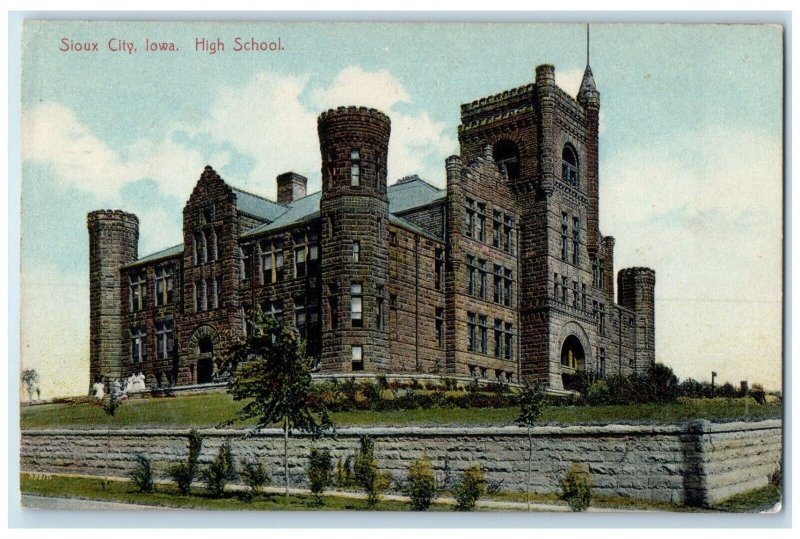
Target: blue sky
691 134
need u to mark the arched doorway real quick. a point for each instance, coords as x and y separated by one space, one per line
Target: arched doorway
204 349
573 359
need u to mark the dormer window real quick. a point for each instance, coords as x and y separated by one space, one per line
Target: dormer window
569 166
355 168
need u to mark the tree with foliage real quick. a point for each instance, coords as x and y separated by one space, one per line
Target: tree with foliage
531 403
184 473
470 487
31 380
270 370
320 472
255 477
576 487
366 474
660 384
142 475
758 394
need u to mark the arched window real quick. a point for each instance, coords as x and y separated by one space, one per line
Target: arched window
506 155
569 165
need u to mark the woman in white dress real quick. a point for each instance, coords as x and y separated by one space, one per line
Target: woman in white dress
99 390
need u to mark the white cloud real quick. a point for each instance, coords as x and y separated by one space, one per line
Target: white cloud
354 86
569 80
711 227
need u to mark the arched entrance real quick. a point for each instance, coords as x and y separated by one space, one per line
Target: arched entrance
573 359
204 348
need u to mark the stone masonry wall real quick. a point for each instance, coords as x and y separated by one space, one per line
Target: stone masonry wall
694 464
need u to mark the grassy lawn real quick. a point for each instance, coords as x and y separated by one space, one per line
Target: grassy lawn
167 496
212 409
753 501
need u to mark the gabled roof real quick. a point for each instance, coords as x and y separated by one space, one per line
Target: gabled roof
159 255
297 211
257 206
413 192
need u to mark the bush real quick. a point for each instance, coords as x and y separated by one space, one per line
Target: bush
184 473
221 470
344 472
366 474
660 384
598 393
255 478
142 475
576 487
320 471
421 484
758 394
470 487
690 388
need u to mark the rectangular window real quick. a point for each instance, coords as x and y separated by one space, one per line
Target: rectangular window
356 251
267 265
355 168
563 289
469 229
204 295
482 293
333 307
138 344
313 259
498 284
164 285
576 236
312 314
356 305
498 337
564 237
357 358
275 309
300 315
278 266
471 327
601 362
496 229
484 339
481 222
165 339
439 269
602 322
212 245
439 316
508 292
380 321
138 291
595 273
300 261
200 255
508 234
583 296
245 256
196 297
509 348
602 274
470 275
575 294
555 286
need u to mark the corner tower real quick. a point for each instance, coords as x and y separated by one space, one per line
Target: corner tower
637 292
113 242
354 142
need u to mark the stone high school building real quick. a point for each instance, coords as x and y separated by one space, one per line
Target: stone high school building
503 275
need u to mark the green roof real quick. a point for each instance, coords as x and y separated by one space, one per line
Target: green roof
257 206
159 255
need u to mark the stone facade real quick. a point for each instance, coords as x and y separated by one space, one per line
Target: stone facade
694 464
503 275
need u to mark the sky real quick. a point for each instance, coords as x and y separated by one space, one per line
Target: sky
690 152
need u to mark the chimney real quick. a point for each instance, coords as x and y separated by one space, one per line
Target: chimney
291 186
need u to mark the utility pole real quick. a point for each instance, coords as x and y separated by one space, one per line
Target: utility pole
713 375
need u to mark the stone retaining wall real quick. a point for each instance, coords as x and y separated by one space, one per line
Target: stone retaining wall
695 463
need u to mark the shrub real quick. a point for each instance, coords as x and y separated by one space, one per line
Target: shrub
320 471
366 474
758 394
221 470
142 475
660 384
727 390
576 487
254 476
371 392
344 472
184 473
421 484
383 382
690 388
598 393
470 487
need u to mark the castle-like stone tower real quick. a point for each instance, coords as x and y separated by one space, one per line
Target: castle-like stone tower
636 292
113 242
354 207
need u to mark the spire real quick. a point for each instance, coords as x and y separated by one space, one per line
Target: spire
588 93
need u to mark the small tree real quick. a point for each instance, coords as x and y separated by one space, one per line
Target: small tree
184 473
271 371
531 403
470 487
255 478
31 380
110 405
421 484
221 470
758 393
320 471
142 475
366 474
576 487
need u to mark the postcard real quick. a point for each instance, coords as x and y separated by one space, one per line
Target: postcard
272 266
